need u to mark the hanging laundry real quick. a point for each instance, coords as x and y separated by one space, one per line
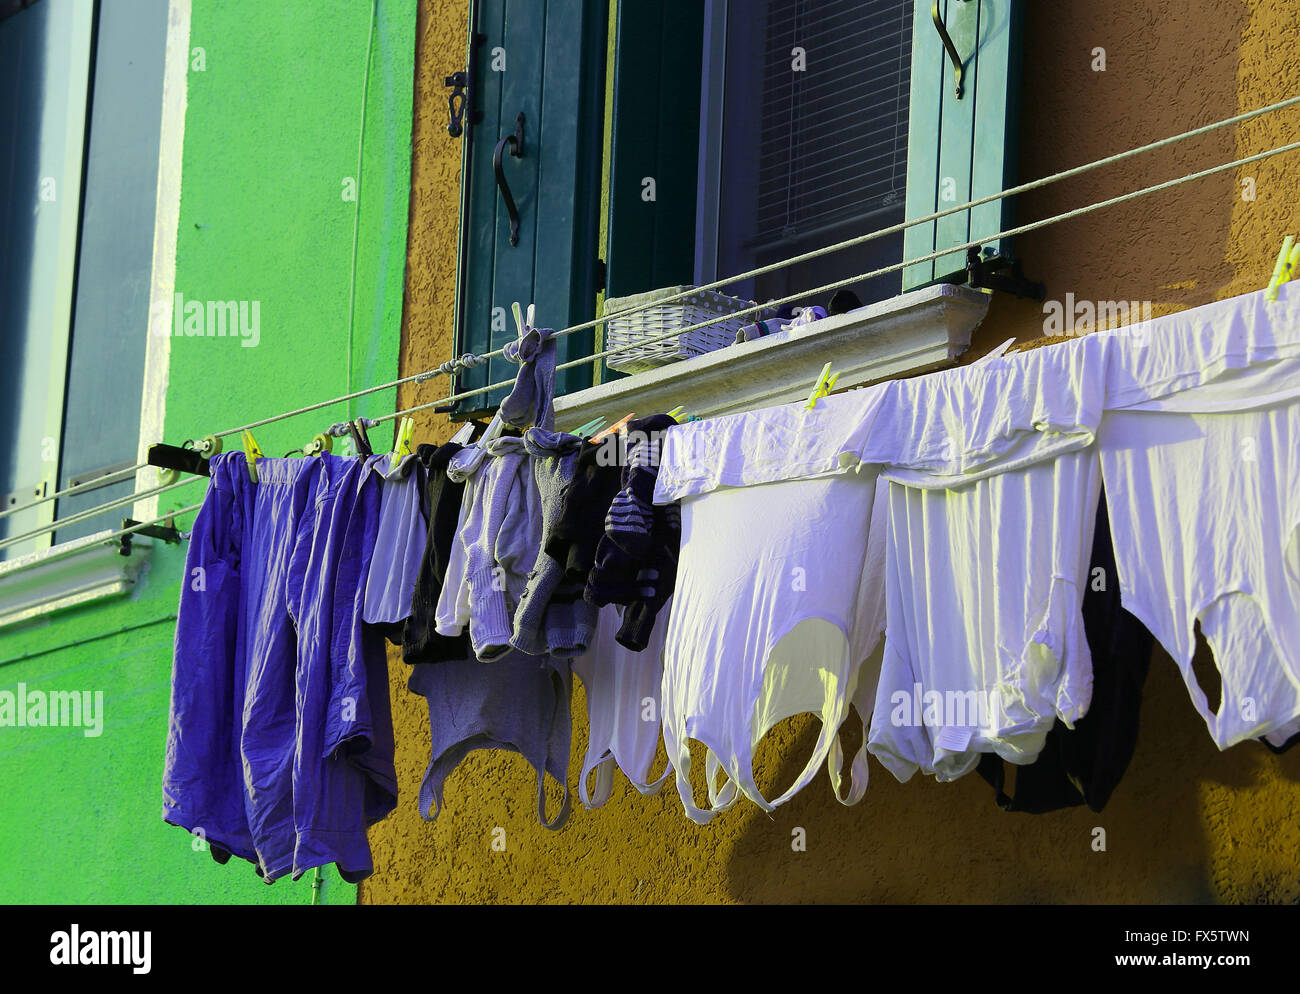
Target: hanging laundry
1283 739
280 742
1083 765
636 558
552 617
517 703
421 642
496 545
399 544
578 528
986 644
772 445
623 709
778 602
531 399
1213 343
992 499
1200 451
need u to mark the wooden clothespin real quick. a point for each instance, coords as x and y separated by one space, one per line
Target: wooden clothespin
825 383
1285 269
616 426
251 453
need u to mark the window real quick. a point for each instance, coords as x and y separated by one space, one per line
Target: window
806 143
739 133
78 183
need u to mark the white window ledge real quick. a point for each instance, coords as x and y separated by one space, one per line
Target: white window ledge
66 575
912 333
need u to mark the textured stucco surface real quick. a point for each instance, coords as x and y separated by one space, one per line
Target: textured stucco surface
1188 824
272 127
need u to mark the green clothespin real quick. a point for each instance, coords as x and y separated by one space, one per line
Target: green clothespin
676 414
825 383
1284 270
251 453
592 426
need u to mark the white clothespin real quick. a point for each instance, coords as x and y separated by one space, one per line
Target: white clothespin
521 325
494 429
1000 350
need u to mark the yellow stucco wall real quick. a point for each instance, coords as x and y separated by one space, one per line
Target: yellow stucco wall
1188 823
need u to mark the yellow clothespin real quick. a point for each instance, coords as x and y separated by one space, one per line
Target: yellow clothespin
320 443
825 383
616 426
251 453
402 443
1284 270
678 414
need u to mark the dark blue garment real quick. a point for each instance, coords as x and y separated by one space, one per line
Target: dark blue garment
518 703
280 745
343 776
203 779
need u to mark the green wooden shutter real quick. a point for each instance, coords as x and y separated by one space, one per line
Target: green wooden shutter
962 149
655 134
546 61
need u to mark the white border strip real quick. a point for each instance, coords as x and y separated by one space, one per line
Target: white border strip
171 145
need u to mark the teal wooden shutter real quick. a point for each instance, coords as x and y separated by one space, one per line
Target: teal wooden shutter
546 61
655 135
962 149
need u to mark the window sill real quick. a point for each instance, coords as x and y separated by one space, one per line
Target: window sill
912 333
67 575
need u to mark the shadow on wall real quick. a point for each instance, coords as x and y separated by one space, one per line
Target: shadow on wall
1187 824
1166 70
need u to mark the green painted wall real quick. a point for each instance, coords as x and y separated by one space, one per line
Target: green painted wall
272 131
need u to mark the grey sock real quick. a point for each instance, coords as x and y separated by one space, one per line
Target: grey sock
531 400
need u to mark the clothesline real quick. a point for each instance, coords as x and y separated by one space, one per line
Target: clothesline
894 267
908 517
74 547
85 515
814 254
465 361
118 476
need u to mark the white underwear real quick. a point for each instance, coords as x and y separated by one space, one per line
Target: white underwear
778 604
984 643
623 709
1204 490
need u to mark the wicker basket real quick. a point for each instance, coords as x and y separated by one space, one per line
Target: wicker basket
694 309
